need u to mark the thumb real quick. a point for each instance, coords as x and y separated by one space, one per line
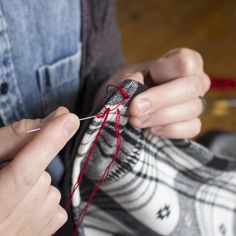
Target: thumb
14 137
176 63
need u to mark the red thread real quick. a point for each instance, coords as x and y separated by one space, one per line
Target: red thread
222 82
106 172
120 89
104 177
105 116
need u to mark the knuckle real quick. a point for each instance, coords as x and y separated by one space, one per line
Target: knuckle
195 128
54 194
19 127
61 216
207 82
186 62
46 178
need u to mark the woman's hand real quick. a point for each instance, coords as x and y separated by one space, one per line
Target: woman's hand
29 203
171 106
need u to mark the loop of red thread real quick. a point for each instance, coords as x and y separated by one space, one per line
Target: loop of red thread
106 172
120 89
122 92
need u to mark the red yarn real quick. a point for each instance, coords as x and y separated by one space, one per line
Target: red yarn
106 172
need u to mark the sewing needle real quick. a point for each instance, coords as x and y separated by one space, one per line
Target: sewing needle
37 129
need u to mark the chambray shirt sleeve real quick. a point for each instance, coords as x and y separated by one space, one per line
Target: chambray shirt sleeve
40 55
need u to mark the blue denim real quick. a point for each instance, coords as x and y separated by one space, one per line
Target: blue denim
40 54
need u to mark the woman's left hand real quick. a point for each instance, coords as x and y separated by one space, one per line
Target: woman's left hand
171 106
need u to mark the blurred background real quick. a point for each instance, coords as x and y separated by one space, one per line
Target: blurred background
151 27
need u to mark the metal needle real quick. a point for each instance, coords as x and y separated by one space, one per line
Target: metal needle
37 129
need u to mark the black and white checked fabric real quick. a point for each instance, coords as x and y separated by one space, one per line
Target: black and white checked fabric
157 186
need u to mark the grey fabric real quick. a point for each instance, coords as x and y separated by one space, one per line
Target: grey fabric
221 142
225 145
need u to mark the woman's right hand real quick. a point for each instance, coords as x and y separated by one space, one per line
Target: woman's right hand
29 204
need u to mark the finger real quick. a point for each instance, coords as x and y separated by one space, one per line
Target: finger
187 129
40 189
50 207
55 223
58 112
168 115
31 202
206 82
29 207
47 210
33 159
53 197
165 95
36 197
176 63
14 137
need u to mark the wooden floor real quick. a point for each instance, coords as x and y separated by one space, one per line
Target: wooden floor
151 27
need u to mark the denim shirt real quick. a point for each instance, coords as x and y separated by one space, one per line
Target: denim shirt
40 55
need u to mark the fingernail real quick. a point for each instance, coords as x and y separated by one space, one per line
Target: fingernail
71 125
144 105
49 117
143 119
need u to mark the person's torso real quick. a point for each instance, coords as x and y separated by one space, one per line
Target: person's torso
40 54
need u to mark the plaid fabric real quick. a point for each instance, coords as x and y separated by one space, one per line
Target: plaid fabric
157 186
